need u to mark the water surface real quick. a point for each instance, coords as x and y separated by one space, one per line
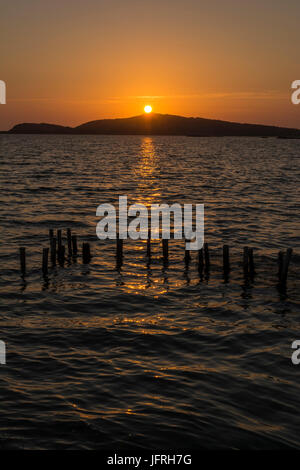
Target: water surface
149 355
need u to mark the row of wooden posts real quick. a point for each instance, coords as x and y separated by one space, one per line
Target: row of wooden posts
58 254
58 251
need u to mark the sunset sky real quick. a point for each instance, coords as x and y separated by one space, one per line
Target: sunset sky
69 62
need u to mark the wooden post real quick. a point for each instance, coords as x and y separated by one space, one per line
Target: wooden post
51 234
246 261
69 238
187 257
53 251
61 254
86 253
280 264
251 262
285 266
119 248
58 238
45 260
148 248
149 243
165 248
119 253
200 261
226 262
23 260
206 257
74 244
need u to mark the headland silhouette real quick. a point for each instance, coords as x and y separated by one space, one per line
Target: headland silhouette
160 124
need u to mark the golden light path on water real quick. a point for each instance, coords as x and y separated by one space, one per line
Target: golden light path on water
147 177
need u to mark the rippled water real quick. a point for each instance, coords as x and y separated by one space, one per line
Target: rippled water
149 355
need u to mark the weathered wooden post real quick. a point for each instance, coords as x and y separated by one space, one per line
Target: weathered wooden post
119 248
69 238
23 260
251 262
59 243
148 248
119 252
51 234
149 243
165 248
45 260
285 265
206 257
187 256
200 261
86 253
53 251
74 244
61 254
226 262
246 261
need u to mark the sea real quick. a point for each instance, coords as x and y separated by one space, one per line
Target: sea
145 354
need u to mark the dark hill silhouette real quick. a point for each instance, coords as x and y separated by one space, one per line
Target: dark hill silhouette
31 128
160 124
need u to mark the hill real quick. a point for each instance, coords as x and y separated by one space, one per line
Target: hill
31 128
161 124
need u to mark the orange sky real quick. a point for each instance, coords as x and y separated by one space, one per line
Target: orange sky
68 62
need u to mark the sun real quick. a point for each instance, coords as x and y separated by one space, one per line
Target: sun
148 109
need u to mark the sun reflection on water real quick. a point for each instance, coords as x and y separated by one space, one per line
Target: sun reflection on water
147 173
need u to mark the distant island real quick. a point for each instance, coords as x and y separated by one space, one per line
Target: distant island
160 124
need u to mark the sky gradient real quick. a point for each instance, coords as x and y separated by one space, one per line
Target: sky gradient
68 62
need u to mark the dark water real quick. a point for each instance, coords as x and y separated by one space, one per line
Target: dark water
149 356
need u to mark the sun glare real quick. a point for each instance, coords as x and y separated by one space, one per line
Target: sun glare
148 109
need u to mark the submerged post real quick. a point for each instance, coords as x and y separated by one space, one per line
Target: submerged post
86 253
61 254
251 262
149 243
200 261
53 251
59 238
45 260
206 257
74 244
119 248
246 261
226 262
280 264
69 238
119 252
165 248
148 248
285 266
187 256
23 260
